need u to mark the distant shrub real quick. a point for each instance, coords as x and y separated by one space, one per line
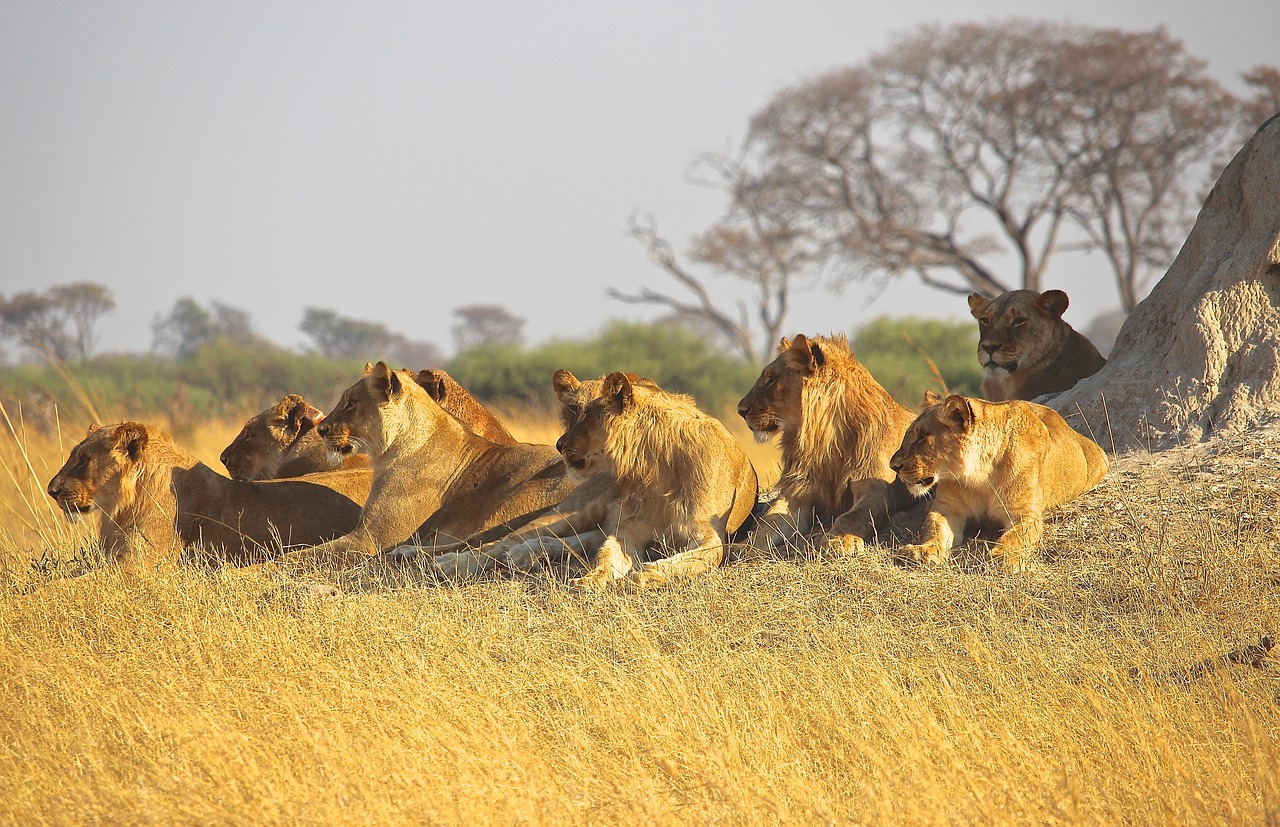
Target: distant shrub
894 350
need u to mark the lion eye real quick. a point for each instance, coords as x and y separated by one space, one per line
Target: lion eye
1018 323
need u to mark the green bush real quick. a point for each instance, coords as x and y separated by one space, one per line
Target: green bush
895 351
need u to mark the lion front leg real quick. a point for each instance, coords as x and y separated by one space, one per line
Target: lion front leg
701 555
850 531
941 532
781 529
340 552
1020 538
613 562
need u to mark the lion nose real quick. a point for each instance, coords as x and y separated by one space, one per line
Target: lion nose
55 490
895 462
989 347
560 444
743 411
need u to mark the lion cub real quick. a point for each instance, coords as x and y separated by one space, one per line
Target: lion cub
999 464
1026 349
682 481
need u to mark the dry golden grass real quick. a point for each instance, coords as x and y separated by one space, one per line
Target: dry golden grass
771 691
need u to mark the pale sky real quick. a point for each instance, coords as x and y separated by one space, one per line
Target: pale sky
395 160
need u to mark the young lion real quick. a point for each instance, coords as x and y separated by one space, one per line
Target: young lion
839 427
682 480
997 464
154 494
1026 349
433 479
282 442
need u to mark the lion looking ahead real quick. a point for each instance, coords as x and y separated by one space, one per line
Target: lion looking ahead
839 428
998 465
1025 348
434 480
282 442
154 495
683 481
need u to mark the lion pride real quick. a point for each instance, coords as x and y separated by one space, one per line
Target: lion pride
1026 349
839 428
683 481
995 465
156 499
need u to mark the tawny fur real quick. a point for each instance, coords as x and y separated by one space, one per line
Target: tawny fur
997 465
839 427
682 480
434 480
155 499
1025 348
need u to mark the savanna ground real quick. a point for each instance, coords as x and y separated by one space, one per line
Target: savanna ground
802 691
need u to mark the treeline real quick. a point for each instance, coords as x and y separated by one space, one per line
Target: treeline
225 379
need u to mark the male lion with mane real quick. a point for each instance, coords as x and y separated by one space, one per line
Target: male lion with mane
153 494
1025 348
682 480
282 441
434 480
839 428
995 465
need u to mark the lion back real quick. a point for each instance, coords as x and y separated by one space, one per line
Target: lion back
1074 463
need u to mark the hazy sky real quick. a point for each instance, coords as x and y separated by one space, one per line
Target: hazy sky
393 161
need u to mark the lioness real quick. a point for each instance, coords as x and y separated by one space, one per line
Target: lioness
282 442
682 480
1026 349
839 428
434 480
151 491
997 465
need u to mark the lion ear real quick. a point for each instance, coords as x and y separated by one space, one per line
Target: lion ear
978 304
931 399
382 380
618 389
299 412
807 353
562 382
433 383
1053 302
131 439
368 368
93 428
957 409
783 345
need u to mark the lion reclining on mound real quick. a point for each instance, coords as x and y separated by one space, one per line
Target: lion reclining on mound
282 442
997 465
434 481
682 480
152 492
839 428
1026 349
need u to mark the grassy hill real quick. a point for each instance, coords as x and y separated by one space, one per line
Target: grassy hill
1093 689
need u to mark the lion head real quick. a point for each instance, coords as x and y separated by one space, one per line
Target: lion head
774 403
583 443
258 450
99 469
1016 328
359 414
464 407
934 442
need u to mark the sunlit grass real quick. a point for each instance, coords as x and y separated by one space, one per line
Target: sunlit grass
771 691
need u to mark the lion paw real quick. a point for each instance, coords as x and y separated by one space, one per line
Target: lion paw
918 554
457 565
844 545
596 579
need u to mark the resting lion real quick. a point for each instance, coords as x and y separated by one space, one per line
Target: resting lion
683 481
1025 348
839 428
155 495
994 465
434 480
282 442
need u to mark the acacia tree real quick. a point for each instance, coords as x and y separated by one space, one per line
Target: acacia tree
189 327
486 324
60 321
968 155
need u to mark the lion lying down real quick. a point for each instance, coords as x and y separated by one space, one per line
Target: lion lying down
1000 465
156 498
434 481
682 481
282 441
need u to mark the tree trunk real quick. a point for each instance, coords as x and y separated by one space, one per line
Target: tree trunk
1201 354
